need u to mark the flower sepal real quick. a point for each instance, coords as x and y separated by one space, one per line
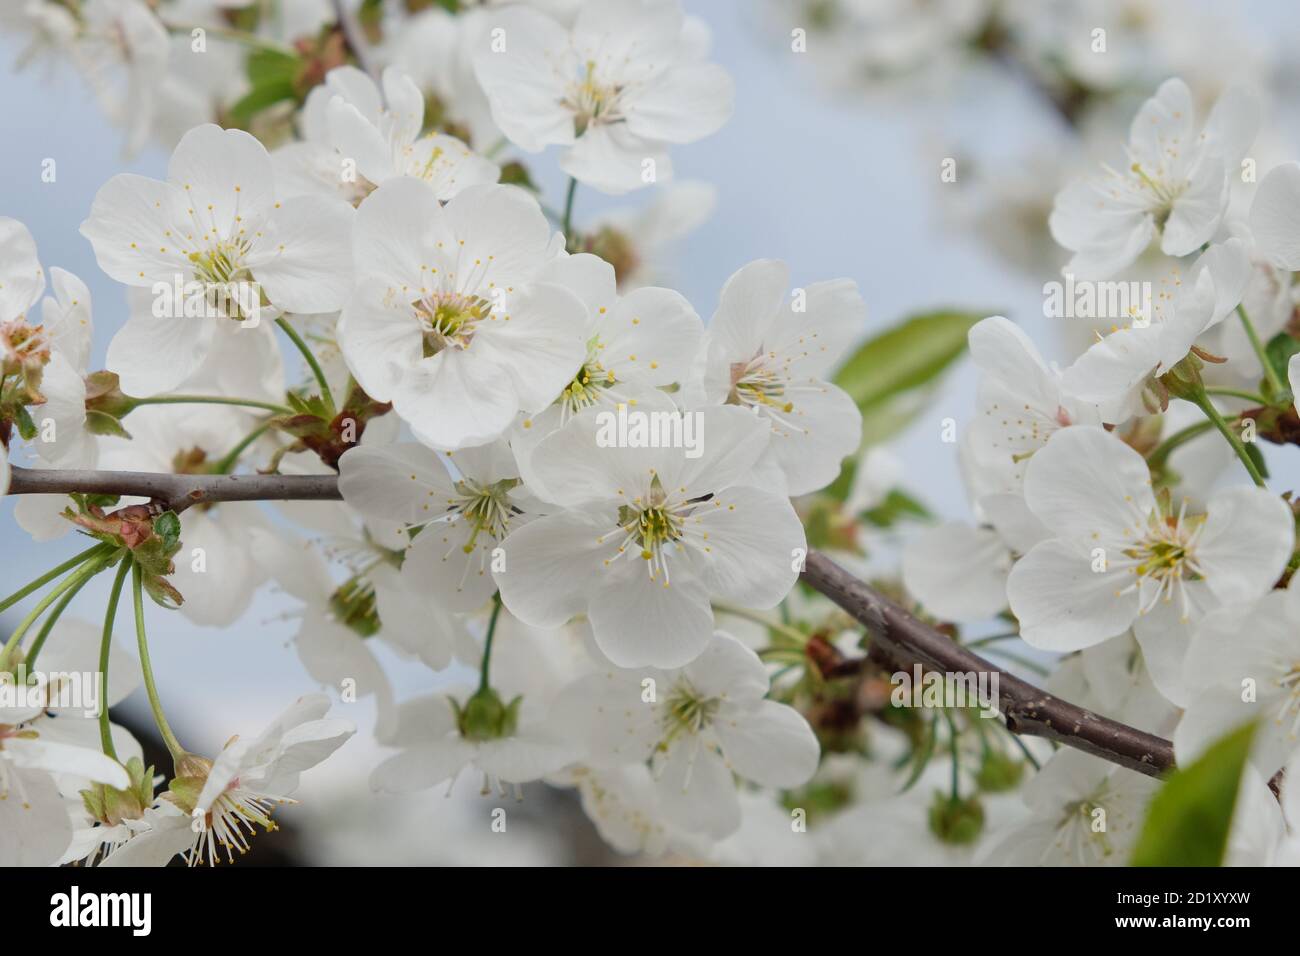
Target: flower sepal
110 806
485 717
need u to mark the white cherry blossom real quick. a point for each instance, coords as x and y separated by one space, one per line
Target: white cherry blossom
774 356
1119 557
453 320
616 89
1173 186
647 537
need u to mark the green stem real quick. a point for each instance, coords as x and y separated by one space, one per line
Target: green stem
1202 401
992 639
1237 393
49 576
567 222
1015 738
1270 373
776 627
47 625
1024 662
105 648
146 669
231 457
1176 440
213 400
487 644
249 40
310 358
87 570
953 750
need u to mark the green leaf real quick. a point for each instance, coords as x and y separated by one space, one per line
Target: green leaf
892 377
898 504
102 423
1188 822
1256 456
1279 350
905 357
921 754
272 78
168 527
23 420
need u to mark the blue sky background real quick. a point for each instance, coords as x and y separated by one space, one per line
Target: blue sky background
836 187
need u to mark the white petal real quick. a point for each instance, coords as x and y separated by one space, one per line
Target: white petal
748 308
224 173
729 669
380 338
810 441
525 89
541 346
21 276
1062 604
456 399
638 621
422 767
613 161
753 548
395 230
304 261
35 831
698 792
1196 213
958 572
1248 537
1275 216
686 103
129 225
1087 484
407 483
526 756
153 355
768 743
548 564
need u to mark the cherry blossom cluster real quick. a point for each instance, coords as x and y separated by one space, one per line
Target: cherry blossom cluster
580 510
464 360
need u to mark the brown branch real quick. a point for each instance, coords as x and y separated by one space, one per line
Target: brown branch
353 38
176 492
898 639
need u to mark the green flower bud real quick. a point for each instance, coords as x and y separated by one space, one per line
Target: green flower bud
485 717
956 820
999 773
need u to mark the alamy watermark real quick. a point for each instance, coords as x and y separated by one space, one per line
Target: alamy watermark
922 688
51 690
241 301
1118 301
633 428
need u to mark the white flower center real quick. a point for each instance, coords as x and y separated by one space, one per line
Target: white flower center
687 711
592 385
656 527
9 780
1289 683
652 527
487 508
231 821
593 101
1162 557
449 319
1159 192
1084 832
